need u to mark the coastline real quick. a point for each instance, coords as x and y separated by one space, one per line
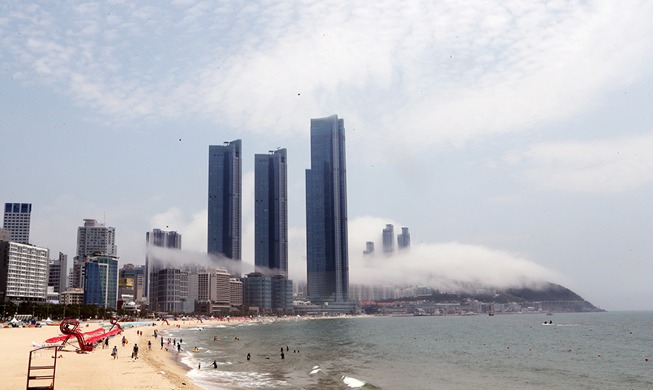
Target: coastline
155 369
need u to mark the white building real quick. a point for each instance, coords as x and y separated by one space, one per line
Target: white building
17 221
94 237
23 272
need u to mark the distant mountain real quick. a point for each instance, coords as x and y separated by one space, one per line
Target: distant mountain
549 297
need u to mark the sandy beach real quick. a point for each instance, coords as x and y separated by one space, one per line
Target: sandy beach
155 369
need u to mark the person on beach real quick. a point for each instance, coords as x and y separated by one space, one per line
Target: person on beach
178 347
149 345
248 356
114 353
135 353
161 342
215 364
124 340
106 342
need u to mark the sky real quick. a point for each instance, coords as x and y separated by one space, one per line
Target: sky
512 138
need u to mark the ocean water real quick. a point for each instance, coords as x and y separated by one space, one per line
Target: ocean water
579 351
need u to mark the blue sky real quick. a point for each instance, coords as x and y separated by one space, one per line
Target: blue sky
513 138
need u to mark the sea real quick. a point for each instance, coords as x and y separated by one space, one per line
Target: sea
609 350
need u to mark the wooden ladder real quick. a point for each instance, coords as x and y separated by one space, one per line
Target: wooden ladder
42 373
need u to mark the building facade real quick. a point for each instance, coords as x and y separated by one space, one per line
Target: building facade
388 236
23 272
403 239
101 282
131 282
257 292
154 262
95 238
58 273
326 213
169 289
17 220
271 212
225 203
282 291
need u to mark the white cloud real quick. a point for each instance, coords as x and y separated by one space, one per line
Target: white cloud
448 265
599 166
447 72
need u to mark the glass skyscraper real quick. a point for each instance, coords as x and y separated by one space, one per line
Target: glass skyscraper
271 212
225 203
326 213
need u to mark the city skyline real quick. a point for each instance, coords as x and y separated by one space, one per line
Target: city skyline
512 138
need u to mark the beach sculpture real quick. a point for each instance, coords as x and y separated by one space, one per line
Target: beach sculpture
85 340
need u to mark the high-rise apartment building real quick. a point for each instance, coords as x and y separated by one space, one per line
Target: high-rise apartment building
326 213
23 272
403 239
388 239
225 203
17 221
58 273
95 238
155 263
161 239
271 212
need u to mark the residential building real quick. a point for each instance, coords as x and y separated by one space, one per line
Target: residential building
403 239
225 203
17 220
388 239
95 238
236 292
169 291
23 272
154 261
281 294
72 296
271 212
58 273
326 213
257 292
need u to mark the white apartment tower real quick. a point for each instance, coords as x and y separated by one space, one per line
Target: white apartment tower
95 237
23 272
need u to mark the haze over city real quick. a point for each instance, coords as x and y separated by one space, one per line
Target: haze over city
512 138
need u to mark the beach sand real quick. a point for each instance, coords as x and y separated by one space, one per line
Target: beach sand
155 369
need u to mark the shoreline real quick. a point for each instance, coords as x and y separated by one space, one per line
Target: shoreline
96 369
155 369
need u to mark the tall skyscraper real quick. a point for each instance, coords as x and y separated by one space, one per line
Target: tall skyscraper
403 239
154 264
94 238
326 213
271 212
225 203
17 221
388 239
